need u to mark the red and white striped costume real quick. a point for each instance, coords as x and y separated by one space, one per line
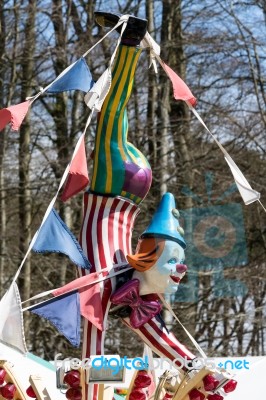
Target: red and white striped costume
106 240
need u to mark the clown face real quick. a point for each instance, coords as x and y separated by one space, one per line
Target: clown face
165 275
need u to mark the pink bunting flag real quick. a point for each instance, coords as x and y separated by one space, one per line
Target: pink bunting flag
90 298
14 114
181 90
78 177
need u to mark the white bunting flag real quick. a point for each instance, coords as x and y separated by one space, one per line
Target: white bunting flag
11 322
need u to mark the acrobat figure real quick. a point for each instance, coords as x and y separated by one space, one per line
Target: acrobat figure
121 179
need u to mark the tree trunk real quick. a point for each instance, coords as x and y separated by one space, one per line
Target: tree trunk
64 141
27 72
2 152
152 100
175 127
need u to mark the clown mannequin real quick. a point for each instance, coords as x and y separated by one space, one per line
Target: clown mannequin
121 179
158 269
159 258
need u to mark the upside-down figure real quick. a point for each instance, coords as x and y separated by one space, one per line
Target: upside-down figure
121 179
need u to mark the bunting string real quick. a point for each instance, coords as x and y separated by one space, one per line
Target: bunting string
43 90
49 208
123 20
262 205
40 295
182 92
248 194
64 177
46 293
96 95
169 308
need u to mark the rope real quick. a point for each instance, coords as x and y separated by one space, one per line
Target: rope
169 308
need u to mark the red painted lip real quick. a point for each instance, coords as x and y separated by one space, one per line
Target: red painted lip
175 278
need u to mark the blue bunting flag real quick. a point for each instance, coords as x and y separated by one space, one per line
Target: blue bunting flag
76 78
64 313
55 237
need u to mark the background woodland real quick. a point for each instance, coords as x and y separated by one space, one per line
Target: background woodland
218 48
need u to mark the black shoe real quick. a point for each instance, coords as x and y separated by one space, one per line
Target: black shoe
135 30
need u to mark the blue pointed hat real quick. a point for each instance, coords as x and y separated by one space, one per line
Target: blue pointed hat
165 223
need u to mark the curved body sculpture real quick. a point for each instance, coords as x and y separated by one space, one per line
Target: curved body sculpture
121 179
119 169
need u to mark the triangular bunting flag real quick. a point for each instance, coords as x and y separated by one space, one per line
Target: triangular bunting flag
181 90
248 194
14 114
76 78
11 320
95 97
77 178
64 314
55 237
91 305
90 298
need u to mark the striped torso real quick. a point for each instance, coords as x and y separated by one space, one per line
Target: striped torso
106 240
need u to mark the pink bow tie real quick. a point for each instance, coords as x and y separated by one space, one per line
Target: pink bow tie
142 311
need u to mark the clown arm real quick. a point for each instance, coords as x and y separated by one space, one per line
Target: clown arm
162 343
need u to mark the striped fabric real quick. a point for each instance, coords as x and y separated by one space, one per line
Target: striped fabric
120 169
162 343
106 240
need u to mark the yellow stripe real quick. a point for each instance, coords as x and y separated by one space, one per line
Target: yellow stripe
100 124
131 196
120 143
133 156
117 98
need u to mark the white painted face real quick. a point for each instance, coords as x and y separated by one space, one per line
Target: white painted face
166 273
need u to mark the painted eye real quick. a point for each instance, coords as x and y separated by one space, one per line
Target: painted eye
172 261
